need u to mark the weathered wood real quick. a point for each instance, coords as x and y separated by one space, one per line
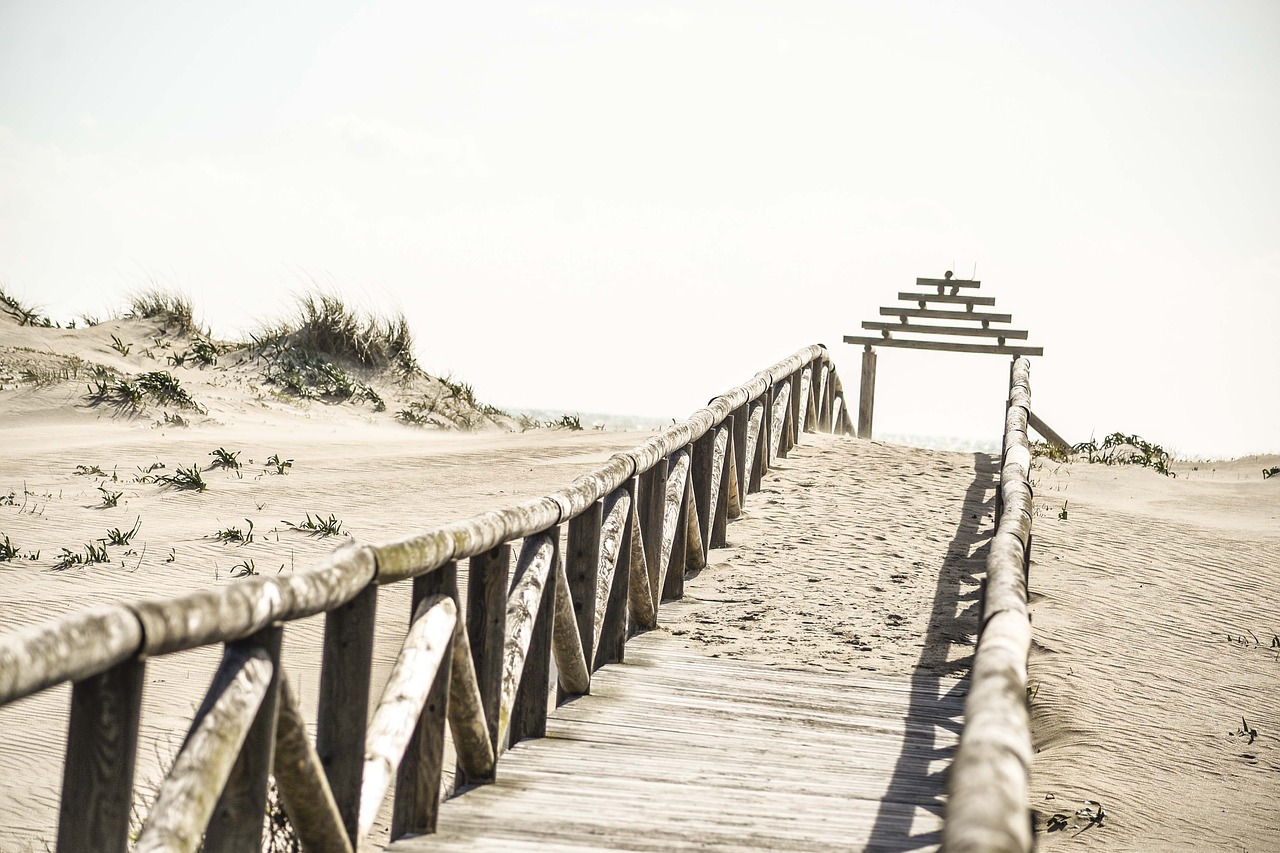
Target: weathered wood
947 282
804 411
695 547
753 472
69 648
936 314
721 459
592 487
704 463
640 598
987 806
908 296
417 796
968 331
304 791
566 643
528 717
342 715
1047 432
487 575
403 700
228 613
467 719
824 399
780 414
614 627
236 822
585 587
867 393
189 793
613 514
534 572
741 472
946 346
672 557
97 777
653 503
795 418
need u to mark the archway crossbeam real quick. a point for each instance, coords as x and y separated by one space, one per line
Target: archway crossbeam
986 326
937 299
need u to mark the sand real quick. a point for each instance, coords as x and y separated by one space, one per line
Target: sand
1156 600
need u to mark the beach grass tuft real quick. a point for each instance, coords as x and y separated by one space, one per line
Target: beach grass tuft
170 307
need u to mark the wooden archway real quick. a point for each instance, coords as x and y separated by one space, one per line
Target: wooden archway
986 330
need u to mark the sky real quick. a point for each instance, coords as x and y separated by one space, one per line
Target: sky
631 207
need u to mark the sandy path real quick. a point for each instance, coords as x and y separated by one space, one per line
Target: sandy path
1137 691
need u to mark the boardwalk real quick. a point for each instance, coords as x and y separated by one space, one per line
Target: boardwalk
833 728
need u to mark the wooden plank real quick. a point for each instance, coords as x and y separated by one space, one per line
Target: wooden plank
422 658
1046 431
582 570
189 793
487 575
417 796
867 393
948 282
236 823
97 778
938 314
945 346
304 791
1012 334
921 298
343 714
615 557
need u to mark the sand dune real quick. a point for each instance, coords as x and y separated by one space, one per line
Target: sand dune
1156 601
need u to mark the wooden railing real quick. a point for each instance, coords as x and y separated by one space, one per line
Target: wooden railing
634 526
987 809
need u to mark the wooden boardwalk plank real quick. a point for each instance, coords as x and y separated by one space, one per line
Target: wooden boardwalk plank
677 750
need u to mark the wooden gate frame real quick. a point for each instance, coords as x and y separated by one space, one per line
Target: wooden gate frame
948 294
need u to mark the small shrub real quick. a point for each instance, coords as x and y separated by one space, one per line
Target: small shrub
281 465
319 526
120 346
1120 449
109 498
223 458
244 569
566 421
235 534
93 553
8 551
183 478
84 470
116 536
162 385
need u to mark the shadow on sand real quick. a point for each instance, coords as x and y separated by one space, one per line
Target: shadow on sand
941 678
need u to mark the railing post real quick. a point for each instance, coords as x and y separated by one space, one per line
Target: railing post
653 502
529 712
741 419
582 568
487 587
758 467
102 742
673 586
766 436
417 798
615 627
704 451
867 393
236 823
811 412
343 712
720 524
795 427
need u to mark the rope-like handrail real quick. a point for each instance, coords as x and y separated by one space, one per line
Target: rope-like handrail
987 808
634 524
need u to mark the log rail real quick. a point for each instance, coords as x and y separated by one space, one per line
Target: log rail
631 529
989 781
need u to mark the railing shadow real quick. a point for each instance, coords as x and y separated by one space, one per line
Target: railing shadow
940 681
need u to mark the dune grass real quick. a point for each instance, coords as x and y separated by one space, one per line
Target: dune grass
26 315
170 307
325 326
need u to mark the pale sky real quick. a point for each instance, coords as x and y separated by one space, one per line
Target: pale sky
630 207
